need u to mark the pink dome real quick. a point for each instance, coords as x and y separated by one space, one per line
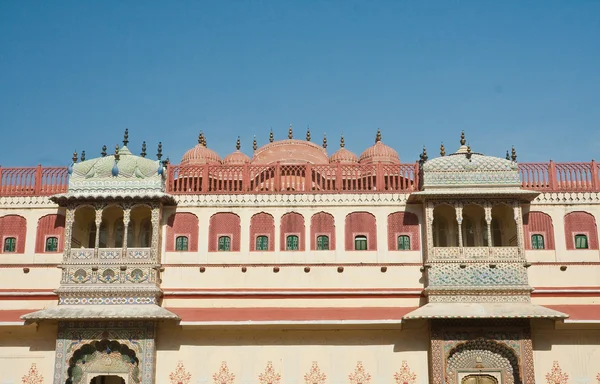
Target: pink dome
343 156
200 154
236 158
379 153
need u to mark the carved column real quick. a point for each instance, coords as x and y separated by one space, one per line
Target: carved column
459 208
126 219
69 220
155 220
99 209
488 220
429 227
519 223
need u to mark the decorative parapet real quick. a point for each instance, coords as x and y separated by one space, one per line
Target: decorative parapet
475 254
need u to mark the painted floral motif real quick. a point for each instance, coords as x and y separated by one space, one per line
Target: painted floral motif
556 375
223 376
359 376
598 378
315 376
180 376
33 376
269 376
405 376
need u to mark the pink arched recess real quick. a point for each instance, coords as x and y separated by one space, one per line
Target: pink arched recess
403 223
13 226
584 223
361 224
536 222
182 224
322 223
292 223
224 224
262 224
50 225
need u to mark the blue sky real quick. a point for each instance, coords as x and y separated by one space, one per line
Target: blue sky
75 74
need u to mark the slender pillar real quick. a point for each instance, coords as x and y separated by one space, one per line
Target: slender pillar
429 229
99 209
155 220
126 219
459 218
488 220
519 224
69 220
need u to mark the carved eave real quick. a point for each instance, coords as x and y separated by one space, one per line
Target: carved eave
522 195
484 311
65 199
94 312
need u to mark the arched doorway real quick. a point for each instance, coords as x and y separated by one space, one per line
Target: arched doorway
108 379
479 379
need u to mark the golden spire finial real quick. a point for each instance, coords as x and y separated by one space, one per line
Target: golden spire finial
126 137
117 156
325 140
271 137
342 143
290 133
74 158
378 136
507 155
201 138
462 138
307 133
254 146
238 144
442 150
513 154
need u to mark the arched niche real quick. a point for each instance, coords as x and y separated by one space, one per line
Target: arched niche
445 227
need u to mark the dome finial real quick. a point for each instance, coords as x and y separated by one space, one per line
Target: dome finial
201 138
103 153
325 140
507 155
513 154
342 144
159 150
271 137
126 137
254 146
290 133
423 156
378 136
462 138
143 154
82 155
238 144
74 158
442 150
469 153
307 133
117 156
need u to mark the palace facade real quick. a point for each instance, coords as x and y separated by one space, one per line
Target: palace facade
298 266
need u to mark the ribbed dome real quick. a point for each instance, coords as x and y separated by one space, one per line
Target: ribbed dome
200 154
343 156
379 153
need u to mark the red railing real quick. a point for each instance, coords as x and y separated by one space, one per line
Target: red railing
33 181
303 178
292 178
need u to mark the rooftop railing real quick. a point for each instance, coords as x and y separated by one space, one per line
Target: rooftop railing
303 178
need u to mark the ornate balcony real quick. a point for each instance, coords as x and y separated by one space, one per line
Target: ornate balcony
474 254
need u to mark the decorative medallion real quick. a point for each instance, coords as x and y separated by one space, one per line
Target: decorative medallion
180 376
405 376
223 376
556 375
269 376
359 376
33 376
315 376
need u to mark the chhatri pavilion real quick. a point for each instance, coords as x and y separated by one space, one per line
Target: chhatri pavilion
300 264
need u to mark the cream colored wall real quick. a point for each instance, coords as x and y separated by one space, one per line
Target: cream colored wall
292 353
577 352
20 347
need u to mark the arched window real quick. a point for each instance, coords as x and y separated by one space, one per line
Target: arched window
468 230
581 241
262 243
484 232
537 242
10 244
92 236
496 233
131 235
224 243
360 243
119 233
322 243
181 243
440 232
51 244
404 243
146 234
103 236
291 243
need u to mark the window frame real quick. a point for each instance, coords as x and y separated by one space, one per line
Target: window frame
260 235
297 236
587 240
5 238
407 235
326 235
187 236
364 238
57 243
531 242
223 235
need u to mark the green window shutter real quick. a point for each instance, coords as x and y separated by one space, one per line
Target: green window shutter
52 244
403 243
224 243
262 243
537 242
181 243
10 244
291 243
581 242
360 243
322 243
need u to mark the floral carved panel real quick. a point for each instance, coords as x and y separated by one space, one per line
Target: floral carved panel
180 375
223 376
360 375
269 376
33 376
405 376
315 376
556 375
